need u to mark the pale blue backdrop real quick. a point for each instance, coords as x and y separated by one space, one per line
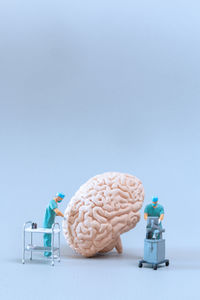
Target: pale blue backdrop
94 86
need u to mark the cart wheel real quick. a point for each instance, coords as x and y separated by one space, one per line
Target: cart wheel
23 261
155 267
52 264
59 260
167 263
140 264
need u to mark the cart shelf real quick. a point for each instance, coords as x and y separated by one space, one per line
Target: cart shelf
42 230
38 248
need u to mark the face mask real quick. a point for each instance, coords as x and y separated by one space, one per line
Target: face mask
154 204
59 201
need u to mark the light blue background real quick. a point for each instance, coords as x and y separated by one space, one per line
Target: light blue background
94 86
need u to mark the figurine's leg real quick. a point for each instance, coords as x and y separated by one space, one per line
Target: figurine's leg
118 245
47 243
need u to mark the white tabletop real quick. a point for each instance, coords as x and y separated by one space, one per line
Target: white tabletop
42 230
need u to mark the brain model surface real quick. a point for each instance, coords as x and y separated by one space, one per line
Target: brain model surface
102 209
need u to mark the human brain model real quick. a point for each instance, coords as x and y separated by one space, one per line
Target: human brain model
102 209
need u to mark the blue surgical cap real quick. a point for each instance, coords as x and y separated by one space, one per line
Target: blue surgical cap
60 195
154 199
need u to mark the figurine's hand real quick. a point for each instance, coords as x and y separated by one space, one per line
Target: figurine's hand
145 216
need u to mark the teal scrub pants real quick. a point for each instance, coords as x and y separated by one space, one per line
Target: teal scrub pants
47 243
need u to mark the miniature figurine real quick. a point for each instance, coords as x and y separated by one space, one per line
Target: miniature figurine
154 210
51 212
154 244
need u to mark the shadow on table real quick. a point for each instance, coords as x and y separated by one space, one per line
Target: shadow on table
180 259
128 254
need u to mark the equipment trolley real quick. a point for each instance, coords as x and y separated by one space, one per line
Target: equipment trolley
154 245
55 251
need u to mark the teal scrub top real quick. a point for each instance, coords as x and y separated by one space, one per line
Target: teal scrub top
50 214
154 212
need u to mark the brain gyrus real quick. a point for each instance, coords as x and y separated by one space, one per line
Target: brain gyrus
102 209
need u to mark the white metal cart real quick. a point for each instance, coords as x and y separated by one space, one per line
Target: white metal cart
55 251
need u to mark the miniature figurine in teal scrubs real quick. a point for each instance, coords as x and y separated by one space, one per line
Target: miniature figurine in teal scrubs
154 210
51 212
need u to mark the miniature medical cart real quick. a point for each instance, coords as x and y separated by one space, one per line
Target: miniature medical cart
55 251
154 245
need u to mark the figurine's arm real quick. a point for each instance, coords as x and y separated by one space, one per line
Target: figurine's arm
161 214
145 216
58 212
161 217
